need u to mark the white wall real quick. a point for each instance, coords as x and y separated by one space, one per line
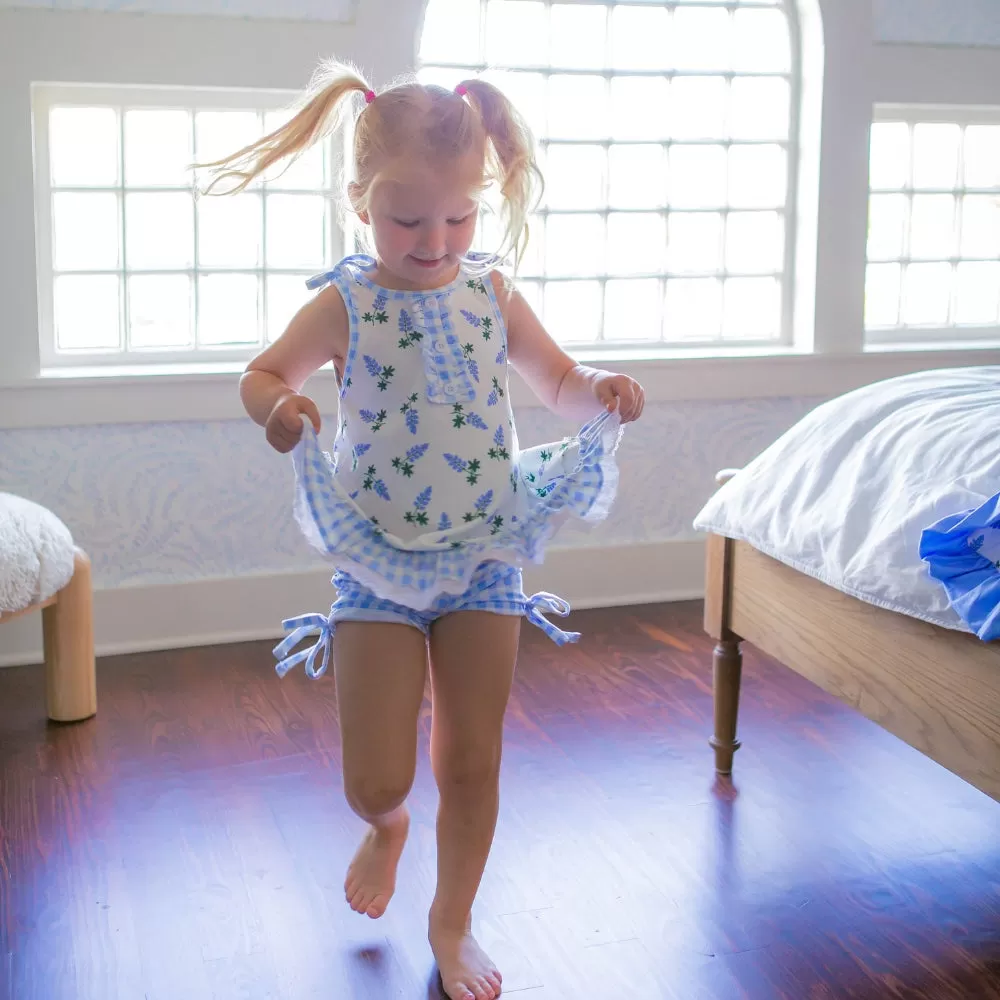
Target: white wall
177 503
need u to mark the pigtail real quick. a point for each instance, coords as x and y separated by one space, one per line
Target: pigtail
321 114
510 160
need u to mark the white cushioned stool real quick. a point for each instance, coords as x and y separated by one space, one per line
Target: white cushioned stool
42 569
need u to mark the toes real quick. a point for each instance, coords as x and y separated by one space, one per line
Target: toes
482 990
495 980
377 907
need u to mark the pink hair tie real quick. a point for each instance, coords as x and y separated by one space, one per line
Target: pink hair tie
461 90
369 96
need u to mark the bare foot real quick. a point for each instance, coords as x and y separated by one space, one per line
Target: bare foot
466 970
371 878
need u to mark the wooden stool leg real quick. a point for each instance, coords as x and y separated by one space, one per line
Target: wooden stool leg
727 669
68 635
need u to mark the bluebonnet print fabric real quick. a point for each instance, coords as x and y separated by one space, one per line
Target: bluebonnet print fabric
426 480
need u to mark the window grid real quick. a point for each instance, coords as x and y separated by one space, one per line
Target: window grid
784 211
886 320
200 349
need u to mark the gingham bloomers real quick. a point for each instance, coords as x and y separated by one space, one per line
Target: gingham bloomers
426 480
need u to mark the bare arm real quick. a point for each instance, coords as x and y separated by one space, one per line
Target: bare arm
565 387
271 386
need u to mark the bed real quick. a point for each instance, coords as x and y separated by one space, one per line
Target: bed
859 551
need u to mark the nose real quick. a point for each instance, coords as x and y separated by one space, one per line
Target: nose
433 240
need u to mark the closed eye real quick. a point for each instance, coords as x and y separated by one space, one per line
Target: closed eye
407 223
458 222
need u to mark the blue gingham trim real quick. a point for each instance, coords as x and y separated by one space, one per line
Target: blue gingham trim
415 577
448 378
495 587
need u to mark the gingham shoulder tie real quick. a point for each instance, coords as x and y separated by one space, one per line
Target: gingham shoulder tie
543 601
303 626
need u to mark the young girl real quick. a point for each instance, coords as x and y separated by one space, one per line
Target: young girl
427 505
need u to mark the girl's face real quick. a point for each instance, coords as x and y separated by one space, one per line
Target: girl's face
423 220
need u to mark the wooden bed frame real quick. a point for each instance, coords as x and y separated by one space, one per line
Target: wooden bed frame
934 688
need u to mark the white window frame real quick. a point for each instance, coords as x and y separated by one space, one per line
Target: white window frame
788 212
954 335
45 97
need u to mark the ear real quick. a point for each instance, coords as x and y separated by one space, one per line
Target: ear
354 194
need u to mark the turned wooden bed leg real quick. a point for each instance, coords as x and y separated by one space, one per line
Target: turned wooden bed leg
727 670
68 636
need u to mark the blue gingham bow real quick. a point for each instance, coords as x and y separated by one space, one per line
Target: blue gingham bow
305 625
543 601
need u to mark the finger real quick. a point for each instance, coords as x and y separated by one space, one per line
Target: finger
311 410
290 419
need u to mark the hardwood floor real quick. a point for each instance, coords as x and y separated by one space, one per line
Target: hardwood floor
190 841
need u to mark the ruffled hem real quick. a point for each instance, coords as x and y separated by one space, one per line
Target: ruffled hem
962 552
416 577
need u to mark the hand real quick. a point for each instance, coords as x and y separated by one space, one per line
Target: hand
284 425
621 391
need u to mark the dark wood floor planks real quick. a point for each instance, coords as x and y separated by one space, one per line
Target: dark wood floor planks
190 841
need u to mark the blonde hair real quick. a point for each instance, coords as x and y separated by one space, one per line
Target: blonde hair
406 118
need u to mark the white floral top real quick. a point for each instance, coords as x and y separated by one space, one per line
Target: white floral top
426 479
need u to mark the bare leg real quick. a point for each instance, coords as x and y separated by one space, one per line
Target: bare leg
727 670
381 669
472 668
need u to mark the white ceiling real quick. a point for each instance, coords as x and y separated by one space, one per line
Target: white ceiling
288 10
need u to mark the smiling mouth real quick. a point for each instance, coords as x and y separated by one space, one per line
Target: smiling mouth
423 262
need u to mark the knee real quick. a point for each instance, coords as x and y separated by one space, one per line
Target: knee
468 772
372 797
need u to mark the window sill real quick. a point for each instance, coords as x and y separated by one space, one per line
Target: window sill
110 395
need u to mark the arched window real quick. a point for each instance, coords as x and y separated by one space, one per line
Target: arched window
667 139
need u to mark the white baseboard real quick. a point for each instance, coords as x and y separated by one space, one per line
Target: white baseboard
237 609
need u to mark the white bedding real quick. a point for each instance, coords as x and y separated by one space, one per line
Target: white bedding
845 494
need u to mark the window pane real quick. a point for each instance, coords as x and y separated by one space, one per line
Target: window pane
83 146
448 77
755 242
159 231
286 294
577 107
639 108
85 231
158 149
527 92
574 177
757 177
228 309
87 312
296 230
578 36
573 311
695 242
760 108
532 292
752 309
450 32
636 243
640 38
638 176
533 261
932 226
935 155
698 108
230 231
761 41
978 298
980 226
159 307
890 155
882 290
517 33
702 38
926 294
694 309
886 226
632 310
697 176
982 156
574 244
